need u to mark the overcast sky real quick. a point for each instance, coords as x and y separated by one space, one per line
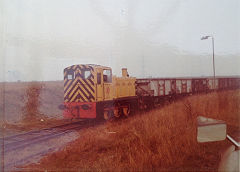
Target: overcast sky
158 38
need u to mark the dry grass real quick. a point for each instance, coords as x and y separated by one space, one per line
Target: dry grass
161 140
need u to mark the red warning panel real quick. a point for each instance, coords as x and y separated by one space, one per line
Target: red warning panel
79 110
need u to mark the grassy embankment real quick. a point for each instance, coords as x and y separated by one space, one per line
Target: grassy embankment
160 140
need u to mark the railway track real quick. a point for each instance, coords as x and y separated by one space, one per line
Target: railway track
19 140
17 143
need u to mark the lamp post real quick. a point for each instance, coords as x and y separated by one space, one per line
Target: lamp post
206 37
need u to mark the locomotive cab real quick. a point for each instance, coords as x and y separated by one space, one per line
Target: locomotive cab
84 86
104 83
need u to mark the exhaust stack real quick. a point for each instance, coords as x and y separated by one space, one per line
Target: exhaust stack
124 72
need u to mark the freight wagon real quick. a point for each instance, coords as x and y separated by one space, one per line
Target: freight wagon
157 90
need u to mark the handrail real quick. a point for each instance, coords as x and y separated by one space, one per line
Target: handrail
233 141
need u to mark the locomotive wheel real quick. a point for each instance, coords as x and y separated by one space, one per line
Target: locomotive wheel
116 112
126 110
108 115
155 103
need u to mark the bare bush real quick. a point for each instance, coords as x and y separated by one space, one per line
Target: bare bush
31 108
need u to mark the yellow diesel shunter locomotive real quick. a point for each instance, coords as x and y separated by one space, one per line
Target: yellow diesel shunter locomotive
91 91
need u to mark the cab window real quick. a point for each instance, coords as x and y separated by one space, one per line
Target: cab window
107 75
70 75
86 74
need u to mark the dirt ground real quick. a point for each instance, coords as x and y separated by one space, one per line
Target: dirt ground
34 152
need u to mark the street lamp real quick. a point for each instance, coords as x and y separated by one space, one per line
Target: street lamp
206 37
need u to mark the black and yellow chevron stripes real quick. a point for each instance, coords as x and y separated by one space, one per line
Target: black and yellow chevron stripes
79 89
77 69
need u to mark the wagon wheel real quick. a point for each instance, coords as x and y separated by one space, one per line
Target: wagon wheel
156 103
126 110
141 103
